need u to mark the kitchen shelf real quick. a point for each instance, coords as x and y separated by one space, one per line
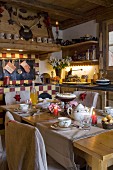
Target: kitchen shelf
28 46
79 47
81 44
84 62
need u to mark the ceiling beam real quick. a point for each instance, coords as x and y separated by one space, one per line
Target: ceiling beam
35 4
106 3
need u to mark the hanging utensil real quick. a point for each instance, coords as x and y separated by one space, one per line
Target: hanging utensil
3 65
19 71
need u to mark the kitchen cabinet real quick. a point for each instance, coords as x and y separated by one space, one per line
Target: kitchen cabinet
81 48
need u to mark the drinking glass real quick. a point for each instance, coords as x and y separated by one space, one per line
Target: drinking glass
85 122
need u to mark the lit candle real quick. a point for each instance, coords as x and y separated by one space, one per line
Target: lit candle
57 27
55 111
30 103
94 118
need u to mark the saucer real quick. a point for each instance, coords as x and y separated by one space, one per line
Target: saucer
20 110
56 127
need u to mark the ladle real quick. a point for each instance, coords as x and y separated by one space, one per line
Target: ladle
19 71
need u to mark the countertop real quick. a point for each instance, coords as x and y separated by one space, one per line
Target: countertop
90 86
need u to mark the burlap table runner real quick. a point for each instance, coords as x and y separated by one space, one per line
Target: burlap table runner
59 143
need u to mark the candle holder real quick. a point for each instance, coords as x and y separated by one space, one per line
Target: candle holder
57 35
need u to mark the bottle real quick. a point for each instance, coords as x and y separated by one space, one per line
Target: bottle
87 54
93 52
95 76
33 94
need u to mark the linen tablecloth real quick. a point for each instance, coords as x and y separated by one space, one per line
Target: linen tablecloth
59 144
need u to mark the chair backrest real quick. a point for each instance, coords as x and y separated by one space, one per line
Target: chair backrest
45 95
16 97
25 147
89 100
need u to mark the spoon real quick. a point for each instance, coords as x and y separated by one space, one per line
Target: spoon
19 71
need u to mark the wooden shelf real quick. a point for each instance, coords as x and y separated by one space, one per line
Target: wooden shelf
28 46
86 43
79 47
84 62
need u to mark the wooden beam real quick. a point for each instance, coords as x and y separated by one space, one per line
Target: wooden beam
106 3
56 10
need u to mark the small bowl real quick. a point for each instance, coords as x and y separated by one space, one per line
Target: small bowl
64 122
107 126
24 107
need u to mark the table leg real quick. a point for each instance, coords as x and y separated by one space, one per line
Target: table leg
98 164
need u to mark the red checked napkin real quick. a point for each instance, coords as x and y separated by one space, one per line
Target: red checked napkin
9 67
25 66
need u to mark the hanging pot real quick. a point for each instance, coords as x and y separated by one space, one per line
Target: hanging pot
25 32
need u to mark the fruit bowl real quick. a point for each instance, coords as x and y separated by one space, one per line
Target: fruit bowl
107 125
107 122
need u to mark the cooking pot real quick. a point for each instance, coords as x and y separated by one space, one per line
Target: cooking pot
6 81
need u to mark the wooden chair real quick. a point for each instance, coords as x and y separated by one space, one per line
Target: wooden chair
25 147
90 99
17 97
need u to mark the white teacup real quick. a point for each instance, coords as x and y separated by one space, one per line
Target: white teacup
64 121
2 35
24 107
50 40
16 37
39 39
44 40
109 110
8 36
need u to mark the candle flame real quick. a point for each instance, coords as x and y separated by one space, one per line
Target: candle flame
93 113
56 22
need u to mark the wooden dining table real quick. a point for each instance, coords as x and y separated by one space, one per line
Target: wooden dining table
96 150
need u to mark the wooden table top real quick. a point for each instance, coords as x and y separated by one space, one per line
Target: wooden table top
97 150
100 146
38 118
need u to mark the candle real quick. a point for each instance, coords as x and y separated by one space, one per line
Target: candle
57 27
94 119
30 103
55 111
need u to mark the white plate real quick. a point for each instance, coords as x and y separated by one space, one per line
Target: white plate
56 127
102 80
102 84
66 95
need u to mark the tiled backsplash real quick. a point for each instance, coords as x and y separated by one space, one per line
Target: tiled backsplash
31 59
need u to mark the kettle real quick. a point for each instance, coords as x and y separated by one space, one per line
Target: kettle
79 112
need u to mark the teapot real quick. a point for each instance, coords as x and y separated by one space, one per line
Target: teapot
79 112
